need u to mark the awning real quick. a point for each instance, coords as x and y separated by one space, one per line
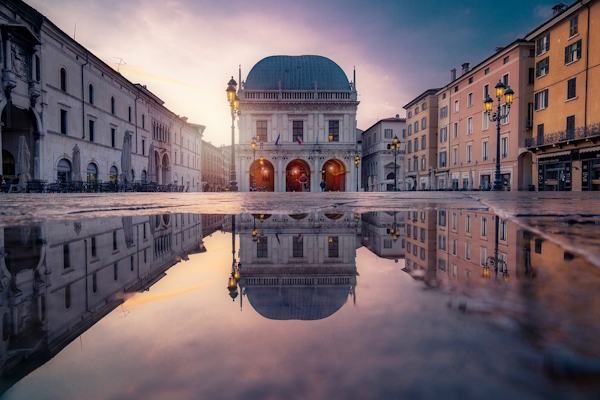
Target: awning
555 154
590 149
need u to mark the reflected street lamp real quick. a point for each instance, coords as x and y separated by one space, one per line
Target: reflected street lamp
356 162
394 229
508 93
253 144
234 103
494 261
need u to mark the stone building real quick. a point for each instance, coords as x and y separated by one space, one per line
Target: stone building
213 164
383 233
301 110
378 161
57 95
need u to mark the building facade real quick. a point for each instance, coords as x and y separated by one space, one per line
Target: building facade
566 117
421 141
301 111
467 138
379 161
59 98
213 164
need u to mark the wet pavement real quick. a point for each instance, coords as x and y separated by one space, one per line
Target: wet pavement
369 295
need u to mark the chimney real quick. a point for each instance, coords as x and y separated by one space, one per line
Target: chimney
557 9
397 116
452 74
499 49
465 68
184 119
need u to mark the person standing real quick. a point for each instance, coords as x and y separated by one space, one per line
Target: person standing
322 184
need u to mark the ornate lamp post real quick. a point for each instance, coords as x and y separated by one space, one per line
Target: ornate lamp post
253 144
395 147
232 282
394 229
356 162
234 103
508 93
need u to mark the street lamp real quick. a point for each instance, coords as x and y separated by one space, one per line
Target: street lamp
356 162
395 147
234 103
508 93
394 229
253 144
494 261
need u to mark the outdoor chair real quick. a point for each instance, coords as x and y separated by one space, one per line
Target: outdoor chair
35 186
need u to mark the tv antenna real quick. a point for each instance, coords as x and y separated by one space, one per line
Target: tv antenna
121 62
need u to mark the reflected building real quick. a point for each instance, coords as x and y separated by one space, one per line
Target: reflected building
57 280
383 233
421 244
298 267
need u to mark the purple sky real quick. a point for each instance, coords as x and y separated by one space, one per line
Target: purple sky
185 51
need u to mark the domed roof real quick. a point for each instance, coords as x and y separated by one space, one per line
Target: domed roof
296 73
301 303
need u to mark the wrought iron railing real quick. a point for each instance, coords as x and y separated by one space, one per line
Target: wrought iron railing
583 132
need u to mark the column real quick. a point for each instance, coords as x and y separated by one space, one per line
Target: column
279 182
1 161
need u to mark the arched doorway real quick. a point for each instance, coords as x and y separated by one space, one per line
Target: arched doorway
63 171
92 173
113 174
297 176
8 164
525 162
264 175
334 175
390 186
17 122
144 176
165 170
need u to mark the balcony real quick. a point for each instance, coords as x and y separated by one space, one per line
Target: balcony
557 139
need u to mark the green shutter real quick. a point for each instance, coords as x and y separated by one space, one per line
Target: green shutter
567 55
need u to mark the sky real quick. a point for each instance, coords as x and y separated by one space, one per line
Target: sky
186 51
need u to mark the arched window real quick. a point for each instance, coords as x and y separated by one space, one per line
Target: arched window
112 105
143 176
63 79
143 121
63 171
129 113
113 175
91 94
92 172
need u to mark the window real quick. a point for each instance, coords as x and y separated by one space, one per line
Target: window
262 248
113 138
542 67
573 52
469 99
423 123
454 221
468 223
66 256
571 127
455 155
442 163
143 121
404 133
94 283
540 133
444 112
487 71
484 151
387 243
63 79
455 131
485 121
91 130
542 45
486 91
505 110
129 114
442 218
112 105
63 122
455 106
469 153
115 246
409 114
571 88
261 131
423 164
505 80
444 96
470 126
504 146
468 251
540 100
505 61
143 147
132 263
298 131
91 94
443 135
538 246
456 89
409 129
442 242
531 76
483 255
422 231
484 226
416 144
470 80
298 246
415 164
423 142
573 28
334 250
424 106
409 147
416 126
408 227
388 133
422 253
416 110
454 245
503 229
454 271
334 131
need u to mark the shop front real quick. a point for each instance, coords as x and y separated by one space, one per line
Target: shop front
554 172
590 169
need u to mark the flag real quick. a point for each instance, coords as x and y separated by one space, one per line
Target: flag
299 141
299 236
277 141
277 237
